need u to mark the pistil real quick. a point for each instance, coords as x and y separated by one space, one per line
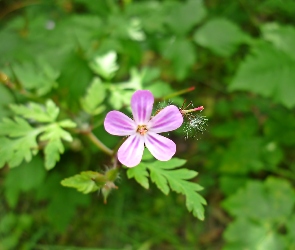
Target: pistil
141 129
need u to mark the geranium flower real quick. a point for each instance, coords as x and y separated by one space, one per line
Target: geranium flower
144 129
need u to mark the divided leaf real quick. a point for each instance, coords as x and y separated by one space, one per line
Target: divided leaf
20 144
166 176
54 134
37 112
140 174
84 182
105 65
95 95
39 77
18 139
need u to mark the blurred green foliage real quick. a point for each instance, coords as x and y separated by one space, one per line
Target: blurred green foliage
54 57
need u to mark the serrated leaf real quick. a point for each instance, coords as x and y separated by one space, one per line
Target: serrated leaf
54 147
164 173
84 182
39 77
140 174
22 143
221 36
269 72
105 65
37 112
67 124
177 179
52 152
94 97
15 128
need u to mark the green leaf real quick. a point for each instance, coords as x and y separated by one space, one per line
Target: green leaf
183 16
282 37
85 182
261 209
221 36
164 173
39 77
29 176
21 137
22 144
242 156
6 97
181 53
37 112
253 236
94 97
271 201
119 97
62 202
140 174
105 65
53 134
269 72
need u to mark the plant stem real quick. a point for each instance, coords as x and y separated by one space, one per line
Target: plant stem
178 93
99 144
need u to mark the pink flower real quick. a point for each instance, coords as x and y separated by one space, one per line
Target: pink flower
144 129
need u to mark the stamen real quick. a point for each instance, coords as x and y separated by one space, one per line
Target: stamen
141 129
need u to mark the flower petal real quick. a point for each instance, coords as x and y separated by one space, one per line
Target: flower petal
142 105
167 119
130 152
117 123
161 147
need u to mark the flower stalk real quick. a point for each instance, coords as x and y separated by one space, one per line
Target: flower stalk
99 144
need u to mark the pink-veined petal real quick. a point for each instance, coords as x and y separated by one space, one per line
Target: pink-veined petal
161 147
130 152
167 119
142 105
117 123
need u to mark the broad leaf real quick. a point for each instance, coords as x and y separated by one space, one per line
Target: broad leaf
267 71
253 236
271 201
221 36
181 53
282 37
181 17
